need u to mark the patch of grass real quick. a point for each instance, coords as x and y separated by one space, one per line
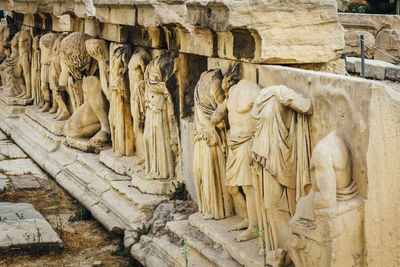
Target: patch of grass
260 234
19 215
180 193
141 231
8 137
186 253
2 218
2 171
82 214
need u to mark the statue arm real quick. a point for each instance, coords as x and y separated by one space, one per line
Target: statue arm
294 100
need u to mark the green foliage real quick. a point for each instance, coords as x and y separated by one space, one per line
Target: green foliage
372 7
82 214
186 253
141 231
260 234
19 215
180 192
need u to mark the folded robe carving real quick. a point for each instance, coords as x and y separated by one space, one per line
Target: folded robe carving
161 138
281 153
122 137
137 68
327 226
210 147
35 73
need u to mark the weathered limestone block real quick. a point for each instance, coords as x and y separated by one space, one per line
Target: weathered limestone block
268 20
372 23
389 42
353 47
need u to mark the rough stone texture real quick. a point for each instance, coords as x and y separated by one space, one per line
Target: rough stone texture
353 47
32 228
11 151
20 167
372 23
46 120
25 182
375 69
122 165
187 156
305 31
388 42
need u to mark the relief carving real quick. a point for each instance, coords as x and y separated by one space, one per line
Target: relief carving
46 44
122 136
161 136
326 228
59 92
35 73
137 68
11 71
90 120
25 46
281 153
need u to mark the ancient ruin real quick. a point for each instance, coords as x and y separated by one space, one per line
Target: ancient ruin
227 128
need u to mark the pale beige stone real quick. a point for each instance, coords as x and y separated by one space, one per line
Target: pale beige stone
372 23
353 44
46 120
24 47
331 211
388 42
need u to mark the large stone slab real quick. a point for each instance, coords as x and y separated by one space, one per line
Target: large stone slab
372 23
26 229
21 167
121 165
246 253
10 150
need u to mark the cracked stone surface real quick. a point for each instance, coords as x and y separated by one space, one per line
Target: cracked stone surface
21 225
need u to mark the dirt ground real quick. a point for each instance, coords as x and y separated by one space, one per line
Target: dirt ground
84 242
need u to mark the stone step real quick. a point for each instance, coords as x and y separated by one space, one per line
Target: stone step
46 120
245 253
172 255
197 241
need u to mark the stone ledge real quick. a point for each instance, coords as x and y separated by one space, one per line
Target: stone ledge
45 119
246 253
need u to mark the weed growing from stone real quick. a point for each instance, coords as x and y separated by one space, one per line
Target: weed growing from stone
141 231
82 214
180 192
19 215
2 218
8 138
59 223
186 253
2 171
260 234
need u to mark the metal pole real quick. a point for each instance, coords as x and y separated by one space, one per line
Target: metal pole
398 7
362 56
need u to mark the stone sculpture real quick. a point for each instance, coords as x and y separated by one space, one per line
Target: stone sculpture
35 73
75 64
24 47
238 169
281 153
210 141
161 138
90 120
327 226
46 44
137 67
11 71
122 136
58 92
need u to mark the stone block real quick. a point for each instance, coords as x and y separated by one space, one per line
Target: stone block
29 228
187 126
63 23
25 182
372 23
10 150
21 167
353 47
388 42
393 73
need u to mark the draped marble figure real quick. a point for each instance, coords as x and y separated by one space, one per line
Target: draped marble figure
161 137
35 73
11 71
122 136
239 140
210 146
281 154
137 68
